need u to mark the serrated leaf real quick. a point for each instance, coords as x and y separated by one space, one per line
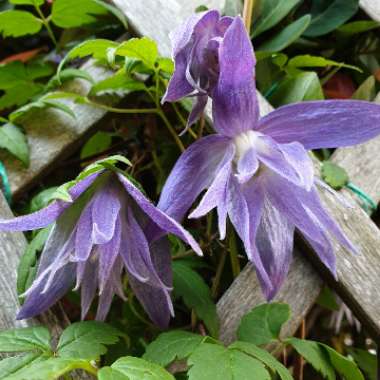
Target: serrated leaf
287 36
27 266
301 87
334 175
96 48
262 325
14 23
73 13
171 346
211 361
87 340
315 61
49 369
346 367
143 49
166 65
271 12
20 94
314 355
134 369
98 143
13 140
119 83
330 18
189 285
25 339
265 357
9 366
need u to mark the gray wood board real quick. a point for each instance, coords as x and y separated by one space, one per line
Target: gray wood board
155 19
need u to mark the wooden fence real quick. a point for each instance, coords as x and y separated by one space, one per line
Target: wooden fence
53 135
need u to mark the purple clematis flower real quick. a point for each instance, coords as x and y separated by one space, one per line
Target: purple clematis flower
195 53
94 239
257 171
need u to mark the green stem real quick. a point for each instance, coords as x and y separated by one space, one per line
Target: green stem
46 24
183 121
89 368
171 130
120 110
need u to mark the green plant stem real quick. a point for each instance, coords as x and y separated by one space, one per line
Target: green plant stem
171 130
218 274
120 110
183 121
47 25
235 264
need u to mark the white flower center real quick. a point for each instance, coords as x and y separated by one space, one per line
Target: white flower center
246 141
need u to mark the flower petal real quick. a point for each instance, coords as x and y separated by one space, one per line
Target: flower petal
156 301
105 210
247 165
323 124
290 161
235 107
88 285
194 171
83 240
49 214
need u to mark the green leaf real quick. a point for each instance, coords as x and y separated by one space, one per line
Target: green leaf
265 357
191 287
287 36
14 23
366 361
49 369
315 61
98 143
131 368
334 175
166 65
115 11
330 18
271 12
346 367
211 361
357 27
27 268
73 13
87 340
25 339
119 83
42 199
327 299
143 49
171 346
47 101
96 48
301 87
66 75
314 355
9 366
13 140
367 90
36 3
20 94
262 325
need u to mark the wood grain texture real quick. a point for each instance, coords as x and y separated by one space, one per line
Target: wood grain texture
52 135
372 8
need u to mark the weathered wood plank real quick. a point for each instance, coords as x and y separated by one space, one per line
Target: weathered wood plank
372 8
52 135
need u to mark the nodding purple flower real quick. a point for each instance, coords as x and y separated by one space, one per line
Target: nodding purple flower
94 239
195 53
257 170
